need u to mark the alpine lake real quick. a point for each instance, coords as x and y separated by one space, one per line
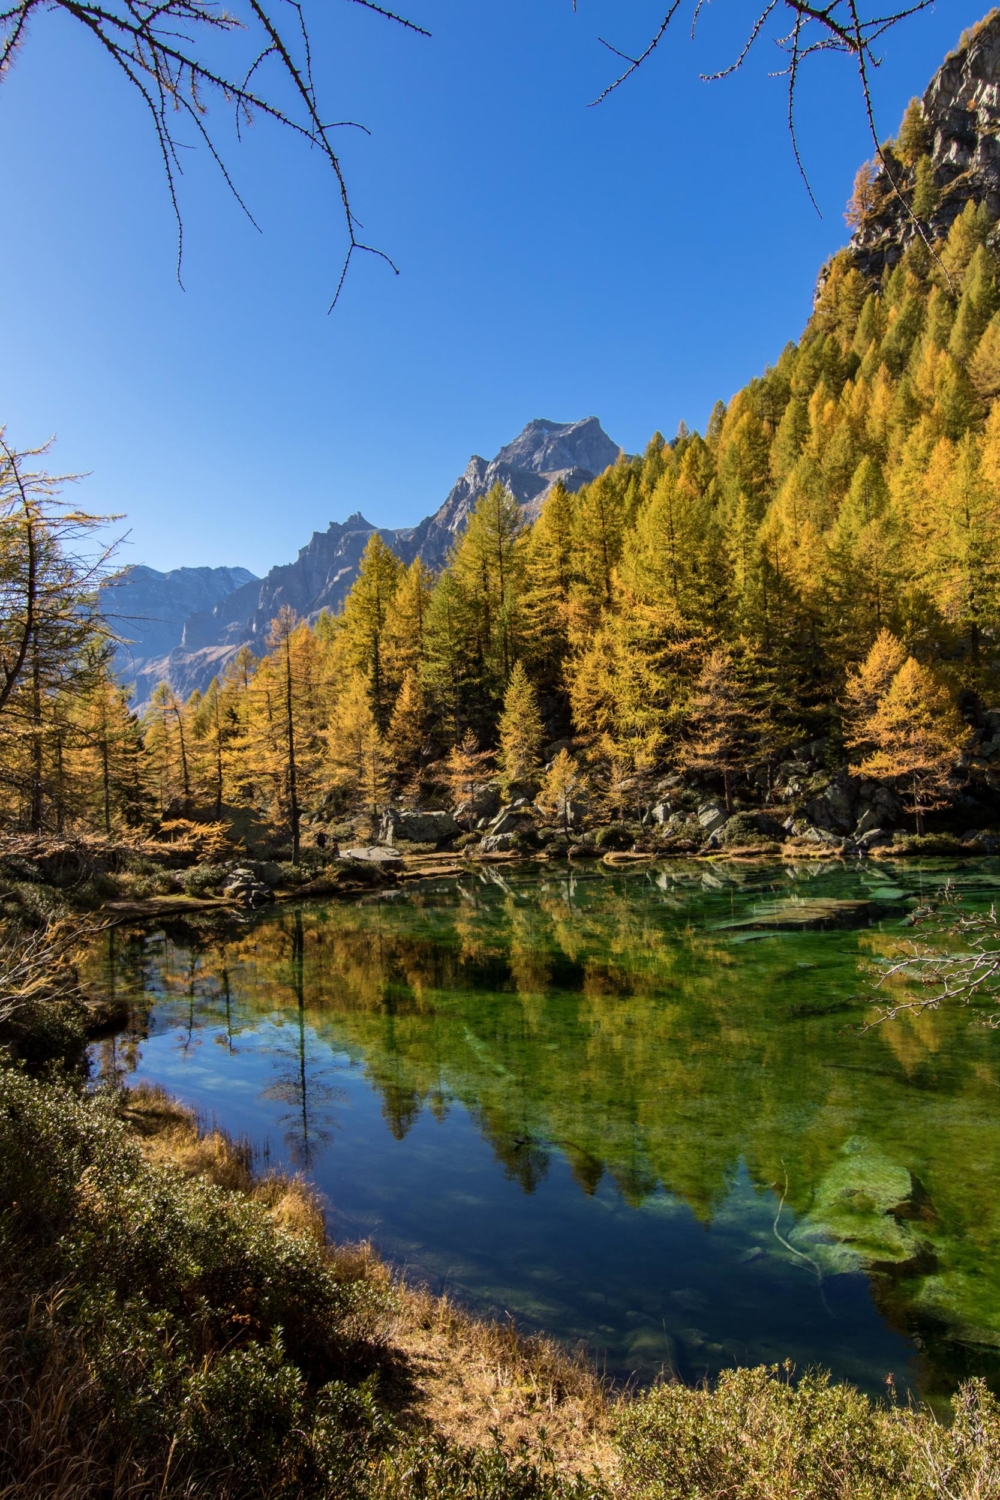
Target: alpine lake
637 1110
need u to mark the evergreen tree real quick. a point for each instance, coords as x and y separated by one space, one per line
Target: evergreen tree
366 615
549 573
521 731
408 728
916 736
866 686
561 779
914 135
723 725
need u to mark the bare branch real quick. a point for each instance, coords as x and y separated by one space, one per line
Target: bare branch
835 27
160 46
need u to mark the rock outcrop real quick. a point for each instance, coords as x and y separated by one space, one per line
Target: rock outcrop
962 113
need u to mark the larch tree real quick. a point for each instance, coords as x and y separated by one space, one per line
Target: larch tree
521 730
866 686
165 731
367 612
561 779
722 723
549 573
916 736
281 641
407 736
357 757
467 768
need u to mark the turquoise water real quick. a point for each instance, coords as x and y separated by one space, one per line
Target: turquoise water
635 1110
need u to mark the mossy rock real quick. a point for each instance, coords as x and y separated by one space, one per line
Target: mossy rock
865 1205
617 836
746 828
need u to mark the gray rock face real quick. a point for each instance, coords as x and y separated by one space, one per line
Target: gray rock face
482 807
417 827
149 609
712 815
209 631
853 804
962 109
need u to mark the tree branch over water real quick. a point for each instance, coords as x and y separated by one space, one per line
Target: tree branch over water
167 50
963 972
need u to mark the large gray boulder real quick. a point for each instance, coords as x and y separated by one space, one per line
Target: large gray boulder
484 805
712 815
417 827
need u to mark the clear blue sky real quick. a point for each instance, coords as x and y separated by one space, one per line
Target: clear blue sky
634 261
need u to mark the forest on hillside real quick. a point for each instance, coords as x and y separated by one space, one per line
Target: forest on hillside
821 565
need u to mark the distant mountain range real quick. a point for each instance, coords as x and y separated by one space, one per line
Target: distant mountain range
186 624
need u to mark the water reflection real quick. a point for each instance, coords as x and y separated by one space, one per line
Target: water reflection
700 1158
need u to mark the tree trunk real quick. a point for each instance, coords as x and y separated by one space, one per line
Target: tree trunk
293 791
36 739
185 782
106 781
918 813
218 763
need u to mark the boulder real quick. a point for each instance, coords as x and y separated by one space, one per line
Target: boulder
874 797
712 815
516 819
417 827
373 854
243 886
982 840
750 828
480 808
835 808
875 838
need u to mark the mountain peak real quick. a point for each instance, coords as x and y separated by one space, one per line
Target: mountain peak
544 447
196 645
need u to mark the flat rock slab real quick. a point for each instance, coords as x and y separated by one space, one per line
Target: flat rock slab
814 913
373 854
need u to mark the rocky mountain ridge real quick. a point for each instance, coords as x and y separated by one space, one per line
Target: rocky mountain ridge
148 608
207 634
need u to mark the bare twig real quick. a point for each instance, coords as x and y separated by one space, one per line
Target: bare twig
163 47
37 967
838 26
968 972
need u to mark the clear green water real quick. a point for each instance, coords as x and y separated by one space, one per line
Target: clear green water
634 1109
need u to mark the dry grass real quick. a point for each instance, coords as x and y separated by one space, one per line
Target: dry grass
474 1379
455 1375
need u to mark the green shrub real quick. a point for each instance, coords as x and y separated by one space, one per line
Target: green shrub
760 1435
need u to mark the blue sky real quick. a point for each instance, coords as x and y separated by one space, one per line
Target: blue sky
634 261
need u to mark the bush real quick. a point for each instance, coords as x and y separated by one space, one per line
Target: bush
166 1337
760 1435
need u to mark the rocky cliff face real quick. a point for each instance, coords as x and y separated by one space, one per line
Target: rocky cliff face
149 608
962 113
325 568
